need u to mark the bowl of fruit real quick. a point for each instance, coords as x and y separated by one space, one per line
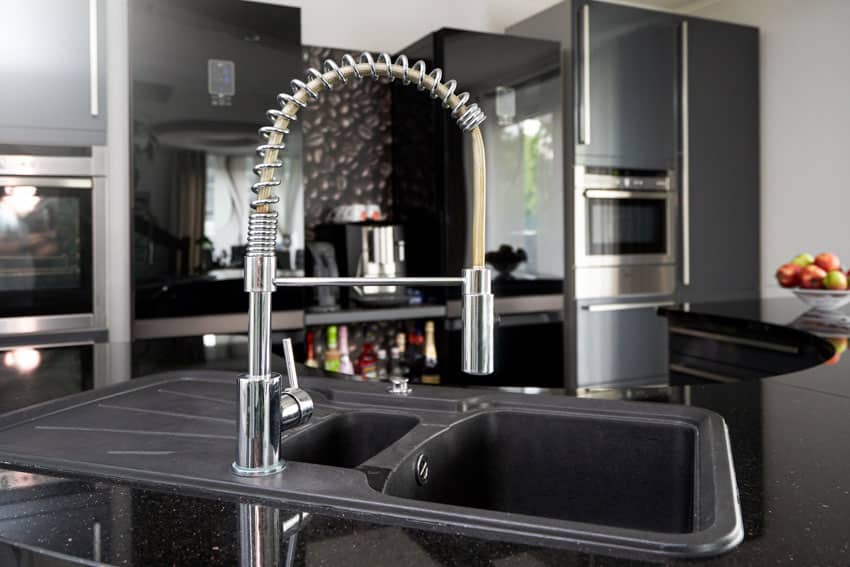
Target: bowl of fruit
819 281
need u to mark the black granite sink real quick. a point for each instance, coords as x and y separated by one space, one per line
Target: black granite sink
608 472
622 478
347 440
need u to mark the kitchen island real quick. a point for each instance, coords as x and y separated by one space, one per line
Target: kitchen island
788 436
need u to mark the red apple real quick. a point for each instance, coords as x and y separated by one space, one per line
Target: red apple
811 277
828 261
835 280
788 275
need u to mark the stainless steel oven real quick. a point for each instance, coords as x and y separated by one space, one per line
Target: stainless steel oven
51 257
623 217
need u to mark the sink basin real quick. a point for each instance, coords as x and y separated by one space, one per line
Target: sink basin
629 474
632 479
346 440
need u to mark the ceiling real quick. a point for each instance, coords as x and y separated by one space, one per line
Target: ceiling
669 5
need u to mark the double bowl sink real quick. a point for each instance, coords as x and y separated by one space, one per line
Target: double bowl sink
623 478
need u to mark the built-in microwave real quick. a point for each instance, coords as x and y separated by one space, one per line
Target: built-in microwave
50 242
623 217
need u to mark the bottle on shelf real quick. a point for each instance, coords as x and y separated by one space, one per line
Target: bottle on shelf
401 348
383 372
396 370
345 365
332 351
415 356
311 351
367 363
431 370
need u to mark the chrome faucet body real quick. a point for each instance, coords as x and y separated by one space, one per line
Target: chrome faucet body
265 407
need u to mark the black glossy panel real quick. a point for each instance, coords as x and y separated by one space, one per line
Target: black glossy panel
347 440
614 473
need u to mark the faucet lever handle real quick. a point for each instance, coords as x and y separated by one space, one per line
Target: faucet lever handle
289 359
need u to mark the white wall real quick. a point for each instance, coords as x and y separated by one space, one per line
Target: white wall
805 125
390 25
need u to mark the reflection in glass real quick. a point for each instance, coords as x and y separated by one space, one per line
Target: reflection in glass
40 238
524 172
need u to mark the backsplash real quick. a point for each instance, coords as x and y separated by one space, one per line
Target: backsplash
347 144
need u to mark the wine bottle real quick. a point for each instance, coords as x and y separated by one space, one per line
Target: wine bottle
431 370
311 352
345 365
332 352
367 363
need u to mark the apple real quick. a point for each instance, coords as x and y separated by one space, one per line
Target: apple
788 275
835 280
828 261
803 259
840 344
811 277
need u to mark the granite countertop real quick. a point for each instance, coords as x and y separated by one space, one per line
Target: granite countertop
788 434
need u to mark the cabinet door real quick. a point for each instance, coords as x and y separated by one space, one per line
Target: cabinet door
46 57
625 77
620 344
720 162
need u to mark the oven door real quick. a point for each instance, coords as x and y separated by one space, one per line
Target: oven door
46 256
616 227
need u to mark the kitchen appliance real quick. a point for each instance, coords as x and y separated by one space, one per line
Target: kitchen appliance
52 241
370 250
197 101
625 269
321 262
623 232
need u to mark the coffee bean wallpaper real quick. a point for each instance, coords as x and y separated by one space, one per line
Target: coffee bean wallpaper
347 144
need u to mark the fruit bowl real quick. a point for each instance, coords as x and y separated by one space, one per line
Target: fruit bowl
826 299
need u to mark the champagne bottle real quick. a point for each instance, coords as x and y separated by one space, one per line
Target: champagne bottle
431 371
332 352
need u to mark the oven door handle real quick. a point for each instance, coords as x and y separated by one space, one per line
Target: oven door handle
627 306
618 194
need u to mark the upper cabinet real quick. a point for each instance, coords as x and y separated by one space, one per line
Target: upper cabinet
719 184
58 92
625 80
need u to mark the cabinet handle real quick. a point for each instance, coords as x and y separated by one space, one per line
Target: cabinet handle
618 194
584 126
94 103
721 338
626 306
686 164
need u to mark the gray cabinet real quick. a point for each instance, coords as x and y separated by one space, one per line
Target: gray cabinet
625 86
53 63
720 161
620 343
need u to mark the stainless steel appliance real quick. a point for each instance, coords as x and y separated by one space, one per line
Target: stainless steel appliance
625 268
381 256
368 250
52 241
623 232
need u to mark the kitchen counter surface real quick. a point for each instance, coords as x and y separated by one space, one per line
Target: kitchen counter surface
788 434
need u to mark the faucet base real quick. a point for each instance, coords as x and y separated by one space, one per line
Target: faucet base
257 471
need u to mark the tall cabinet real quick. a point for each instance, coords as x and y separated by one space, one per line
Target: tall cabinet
625 86
719 170
55 87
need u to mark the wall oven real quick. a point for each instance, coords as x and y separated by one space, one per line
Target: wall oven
623 232
50 241
623 217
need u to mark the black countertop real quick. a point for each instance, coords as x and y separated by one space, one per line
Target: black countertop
788 433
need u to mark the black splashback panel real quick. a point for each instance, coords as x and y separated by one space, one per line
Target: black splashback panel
347 143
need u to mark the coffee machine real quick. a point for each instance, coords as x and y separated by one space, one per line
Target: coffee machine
368 249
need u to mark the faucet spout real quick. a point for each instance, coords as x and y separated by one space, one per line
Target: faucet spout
264 407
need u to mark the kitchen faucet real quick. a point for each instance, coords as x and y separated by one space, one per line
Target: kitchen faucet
265 408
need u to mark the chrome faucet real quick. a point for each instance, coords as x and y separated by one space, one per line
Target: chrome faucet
264 407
